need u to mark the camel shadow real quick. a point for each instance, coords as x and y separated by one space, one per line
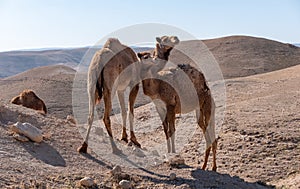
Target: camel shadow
94 159
44 152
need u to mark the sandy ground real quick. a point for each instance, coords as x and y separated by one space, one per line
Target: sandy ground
258 143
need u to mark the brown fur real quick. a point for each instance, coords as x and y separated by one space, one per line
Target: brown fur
29 99
159 87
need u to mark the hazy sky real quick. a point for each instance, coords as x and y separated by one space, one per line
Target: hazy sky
27 24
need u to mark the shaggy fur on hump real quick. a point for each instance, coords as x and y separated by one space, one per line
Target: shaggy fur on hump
29 99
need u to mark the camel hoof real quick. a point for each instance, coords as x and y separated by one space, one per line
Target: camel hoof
124 139
83 148
136 143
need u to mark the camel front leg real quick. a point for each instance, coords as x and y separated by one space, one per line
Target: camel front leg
162 112
132 96
123 112
171 129
166 126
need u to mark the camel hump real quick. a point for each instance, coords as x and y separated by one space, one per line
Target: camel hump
114 44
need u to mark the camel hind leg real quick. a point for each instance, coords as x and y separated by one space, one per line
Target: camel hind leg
206 121
106 120
91 94
132 96
123 113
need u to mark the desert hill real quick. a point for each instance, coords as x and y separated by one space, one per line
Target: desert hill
53 84
258 143
238 56
14 62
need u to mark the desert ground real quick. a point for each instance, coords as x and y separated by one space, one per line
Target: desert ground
258 145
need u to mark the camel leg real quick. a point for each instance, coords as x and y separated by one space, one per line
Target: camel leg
132 96
211 130
162 111
83 148
123 112
202 124
214 150
166 126
171 129
106 120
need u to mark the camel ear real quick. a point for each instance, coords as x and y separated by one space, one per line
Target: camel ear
158 39
174 40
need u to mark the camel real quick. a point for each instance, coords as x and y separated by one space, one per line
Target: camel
104 80
164 87
29 99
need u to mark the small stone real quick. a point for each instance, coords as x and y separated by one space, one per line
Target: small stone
20 137
28 130
183 186
176 161
87 182
155 153
138 152
116 170
71 119
172 176
124 184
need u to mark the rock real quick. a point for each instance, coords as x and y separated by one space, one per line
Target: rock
155 153
20 137
183 186
176 161
71 119
28 130
86 182
116 170
172 176
124 184
138 152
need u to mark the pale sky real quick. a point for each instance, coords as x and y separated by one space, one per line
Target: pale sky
28 24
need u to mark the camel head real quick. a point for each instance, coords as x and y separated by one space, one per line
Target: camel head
151 64
148 67
164 45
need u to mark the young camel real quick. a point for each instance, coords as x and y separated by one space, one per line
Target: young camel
164 89
103 80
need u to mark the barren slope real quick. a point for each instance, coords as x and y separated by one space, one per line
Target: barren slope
240 56
259 141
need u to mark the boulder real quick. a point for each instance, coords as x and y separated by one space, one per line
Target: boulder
20 137
87 182
172 176
124 184
116 170
28 130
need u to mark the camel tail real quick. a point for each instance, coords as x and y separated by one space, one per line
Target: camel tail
99 89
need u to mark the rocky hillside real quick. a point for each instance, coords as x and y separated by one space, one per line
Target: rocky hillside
258 145
238 56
